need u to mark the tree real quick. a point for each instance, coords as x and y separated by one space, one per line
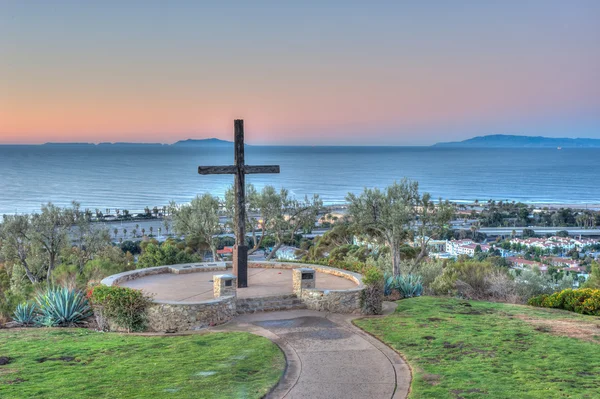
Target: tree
474 229
432 221
143 232
388 215
51 228
593 280
88 239
199 220
16 236
151 228
284 215
115 232
125 233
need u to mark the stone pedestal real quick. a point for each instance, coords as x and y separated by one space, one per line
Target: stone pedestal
303 278
224 285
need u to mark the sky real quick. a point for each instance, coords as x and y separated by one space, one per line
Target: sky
309 73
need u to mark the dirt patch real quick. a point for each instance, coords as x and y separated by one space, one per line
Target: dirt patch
428 338
448 345
4 360
435 319
563 327
15 381
56 359
433 379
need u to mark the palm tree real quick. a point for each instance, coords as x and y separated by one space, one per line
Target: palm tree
116 231
134 232
125 233
474 228
151 231
143 232
159 231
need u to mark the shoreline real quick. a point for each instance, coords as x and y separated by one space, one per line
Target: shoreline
343 205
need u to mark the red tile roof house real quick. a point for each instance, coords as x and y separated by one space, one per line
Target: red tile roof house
225 251
556 261
524 263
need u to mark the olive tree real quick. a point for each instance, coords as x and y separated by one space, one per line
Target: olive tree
396 214
199 220
387 215
285 215
16 236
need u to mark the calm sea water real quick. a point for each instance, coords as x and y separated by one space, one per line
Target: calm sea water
133 177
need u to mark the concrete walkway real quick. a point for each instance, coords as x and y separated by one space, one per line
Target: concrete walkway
327 356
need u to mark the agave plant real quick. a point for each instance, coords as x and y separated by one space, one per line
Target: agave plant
408 286
62 306
25 313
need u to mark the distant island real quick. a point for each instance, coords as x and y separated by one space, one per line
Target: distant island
212 142
512 141
203 142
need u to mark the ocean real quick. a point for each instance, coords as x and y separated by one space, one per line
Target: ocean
135 176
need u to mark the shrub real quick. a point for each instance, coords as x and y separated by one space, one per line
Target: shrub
537 300
124 307
61 307
584 301
372 276
467 279
373 294
25 313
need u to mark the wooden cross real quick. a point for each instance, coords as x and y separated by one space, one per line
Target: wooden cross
240 170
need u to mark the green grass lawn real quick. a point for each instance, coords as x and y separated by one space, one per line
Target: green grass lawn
491 350
79 363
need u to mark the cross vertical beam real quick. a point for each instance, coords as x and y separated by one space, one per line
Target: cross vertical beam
240 250
240 170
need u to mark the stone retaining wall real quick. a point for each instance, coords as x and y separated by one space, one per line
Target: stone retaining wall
336 301
177 316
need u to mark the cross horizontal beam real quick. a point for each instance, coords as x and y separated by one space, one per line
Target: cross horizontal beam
232 170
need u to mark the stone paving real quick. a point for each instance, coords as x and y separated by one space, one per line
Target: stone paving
327 356
195 287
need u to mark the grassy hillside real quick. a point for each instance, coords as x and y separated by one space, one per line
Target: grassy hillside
460 349
78 363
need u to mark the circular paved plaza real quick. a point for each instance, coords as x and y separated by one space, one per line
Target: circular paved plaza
194 287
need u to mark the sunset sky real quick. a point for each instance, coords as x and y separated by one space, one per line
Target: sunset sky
317 72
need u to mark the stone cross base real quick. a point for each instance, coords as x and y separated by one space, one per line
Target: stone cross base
303 278
224 285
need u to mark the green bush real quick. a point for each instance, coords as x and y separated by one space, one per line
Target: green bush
584 301
372 296
467 279
124 307
372 276
61 306
537 300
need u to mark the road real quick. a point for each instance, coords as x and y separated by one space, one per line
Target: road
539 230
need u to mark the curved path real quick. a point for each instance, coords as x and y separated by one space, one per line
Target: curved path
327 356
